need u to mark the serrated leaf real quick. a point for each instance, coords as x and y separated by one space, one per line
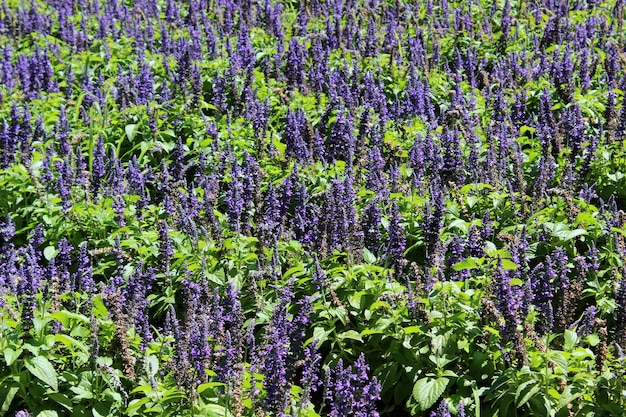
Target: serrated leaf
428 390
42 369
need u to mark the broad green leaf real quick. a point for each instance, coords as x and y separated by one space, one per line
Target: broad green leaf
350 334
368 332
559 360
61 399
65 316
70 342
42 369
208 385
593 339
48 413
571 339
368 256
428 390
506 264
320 335
134 405
562 232
413 329
467 263
131 131
99 309
49 252
11 355
152 365
526 391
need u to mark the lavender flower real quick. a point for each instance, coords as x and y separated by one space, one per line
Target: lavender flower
509 306
350 391
587 322
442 410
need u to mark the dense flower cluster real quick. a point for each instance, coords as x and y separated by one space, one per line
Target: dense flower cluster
272 207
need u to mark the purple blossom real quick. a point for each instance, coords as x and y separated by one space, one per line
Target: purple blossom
507 304
296 136
341 141
587 322
442 410
350 391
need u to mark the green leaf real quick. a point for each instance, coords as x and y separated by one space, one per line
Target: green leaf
49 252
99 309
593 339
42 369
350 334
320 335
413 329
562 232
48 413
468 263
368 256
70 341
210 385
571 339
135 405
368 332
11 355
8 399
525 392
61 399
131 131
428 390
152 365
559 360
506 264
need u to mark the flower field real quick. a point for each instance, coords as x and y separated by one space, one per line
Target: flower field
312 208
